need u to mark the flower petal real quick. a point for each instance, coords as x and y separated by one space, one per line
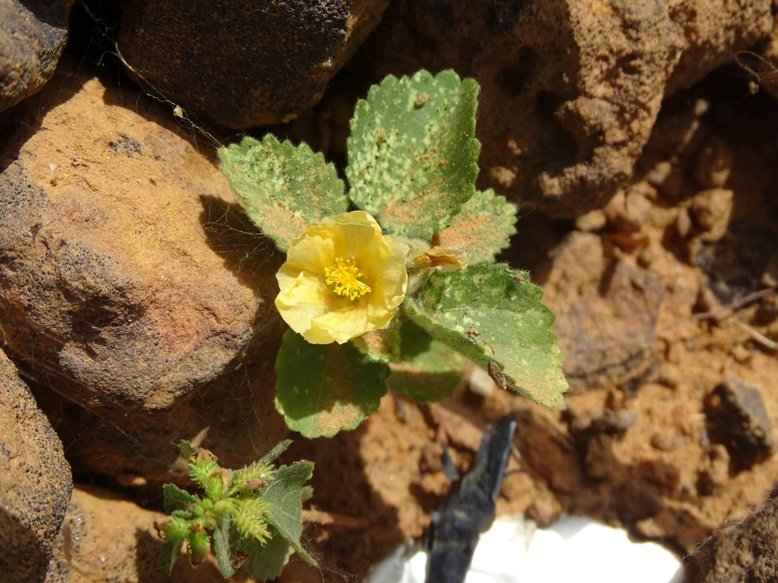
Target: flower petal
302 300
312 308
344 325
313 251
392 282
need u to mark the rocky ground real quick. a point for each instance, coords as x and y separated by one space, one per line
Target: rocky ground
136 296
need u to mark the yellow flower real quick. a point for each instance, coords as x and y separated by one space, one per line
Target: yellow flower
342 278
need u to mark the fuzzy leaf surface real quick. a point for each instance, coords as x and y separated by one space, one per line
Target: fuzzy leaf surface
171 550
174 498
225 545
427 370
493 315
284 495
482 228
266 562
285 187
322 389
412 153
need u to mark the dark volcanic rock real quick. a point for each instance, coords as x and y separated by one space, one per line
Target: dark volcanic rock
242 64
736 417
33 35
742 552
35 481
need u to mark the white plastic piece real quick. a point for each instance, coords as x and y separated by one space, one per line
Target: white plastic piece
572 549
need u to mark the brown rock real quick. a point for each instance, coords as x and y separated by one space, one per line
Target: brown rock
739 552
736 417
570 90
33 35
605 312
120 283
242 64
711 211
35 481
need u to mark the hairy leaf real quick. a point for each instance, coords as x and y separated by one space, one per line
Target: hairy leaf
169 554
285 187
284 497
225 544
482 228
494 316
326 388
266 562
412 153
427 370
174 498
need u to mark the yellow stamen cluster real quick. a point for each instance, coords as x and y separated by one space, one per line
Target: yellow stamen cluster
343 277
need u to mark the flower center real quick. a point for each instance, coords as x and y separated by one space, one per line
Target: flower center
343 277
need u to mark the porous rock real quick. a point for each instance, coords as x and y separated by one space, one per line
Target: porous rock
35 481
114 288
570 90
33 34
242 64
739 552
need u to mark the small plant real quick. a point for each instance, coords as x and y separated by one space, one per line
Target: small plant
394 293
248 518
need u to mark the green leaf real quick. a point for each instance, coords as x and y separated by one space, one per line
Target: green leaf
494 316
174 498
171 550
225 544
326 388
412 153
285 187
482 228
266 562
427 369
284 496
